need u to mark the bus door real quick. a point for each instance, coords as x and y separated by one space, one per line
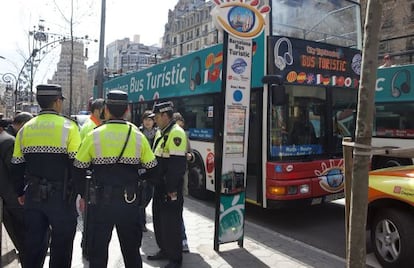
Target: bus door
254 179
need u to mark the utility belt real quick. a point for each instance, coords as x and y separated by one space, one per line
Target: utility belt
105 194
41 189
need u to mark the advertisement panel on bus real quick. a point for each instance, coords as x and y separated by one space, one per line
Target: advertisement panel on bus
303 62
394 84
192 74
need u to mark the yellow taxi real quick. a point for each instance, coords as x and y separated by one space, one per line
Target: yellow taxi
391 215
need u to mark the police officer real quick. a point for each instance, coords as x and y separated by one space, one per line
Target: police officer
43 154
170 148
115 151
95 119
96 108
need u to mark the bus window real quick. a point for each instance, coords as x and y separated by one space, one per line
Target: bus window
343 115
312 122
394 120
198 112
302 130
296 126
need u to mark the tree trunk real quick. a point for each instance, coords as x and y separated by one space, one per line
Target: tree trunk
356 252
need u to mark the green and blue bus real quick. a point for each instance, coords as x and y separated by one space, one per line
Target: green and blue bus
394 122
296 129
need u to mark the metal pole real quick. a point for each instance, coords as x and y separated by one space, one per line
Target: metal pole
348 163
100 93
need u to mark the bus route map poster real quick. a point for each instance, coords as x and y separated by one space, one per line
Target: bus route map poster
236 115
241 21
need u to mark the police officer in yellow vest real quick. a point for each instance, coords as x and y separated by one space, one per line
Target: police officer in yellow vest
96 109
43 160
170 147
114 151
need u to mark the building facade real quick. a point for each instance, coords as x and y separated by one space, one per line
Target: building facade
397 30
189 28
78 93
124 56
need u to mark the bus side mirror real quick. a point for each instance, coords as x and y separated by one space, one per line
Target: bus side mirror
278 95
277 89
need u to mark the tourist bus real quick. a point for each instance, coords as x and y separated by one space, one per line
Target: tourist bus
295 129
394 120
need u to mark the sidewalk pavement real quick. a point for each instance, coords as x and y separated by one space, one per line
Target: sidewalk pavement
262 247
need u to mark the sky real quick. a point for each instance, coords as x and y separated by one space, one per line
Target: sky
124 18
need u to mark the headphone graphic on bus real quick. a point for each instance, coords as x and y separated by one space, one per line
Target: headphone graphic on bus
404 87
287 58
195 76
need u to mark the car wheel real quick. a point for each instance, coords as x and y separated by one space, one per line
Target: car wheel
392 237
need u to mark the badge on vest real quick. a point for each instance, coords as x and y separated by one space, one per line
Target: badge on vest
177 141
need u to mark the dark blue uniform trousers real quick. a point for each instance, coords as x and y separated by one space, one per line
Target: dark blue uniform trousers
103 217
54 219
167 221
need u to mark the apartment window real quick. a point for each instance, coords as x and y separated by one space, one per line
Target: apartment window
197 32
412 13
387 19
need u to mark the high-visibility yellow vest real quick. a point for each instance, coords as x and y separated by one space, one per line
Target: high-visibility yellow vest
49 133
89 125
104 144
174 142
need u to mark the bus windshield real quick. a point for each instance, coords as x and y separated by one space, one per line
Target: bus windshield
318 20
313 121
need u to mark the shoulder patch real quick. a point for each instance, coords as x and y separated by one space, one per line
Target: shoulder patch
177 141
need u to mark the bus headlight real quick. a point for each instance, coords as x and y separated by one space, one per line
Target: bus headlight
304 189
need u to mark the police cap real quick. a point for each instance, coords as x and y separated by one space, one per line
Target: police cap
117 97
49 90
163 107
148 114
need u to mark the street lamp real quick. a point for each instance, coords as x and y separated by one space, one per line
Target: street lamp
9 79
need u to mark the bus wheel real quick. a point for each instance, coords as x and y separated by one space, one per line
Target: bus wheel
197 181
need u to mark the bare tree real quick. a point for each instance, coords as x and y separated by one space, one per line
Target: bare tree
356 251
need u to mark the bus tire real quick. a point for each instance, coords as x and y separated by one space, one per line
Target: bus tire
385 162
197 180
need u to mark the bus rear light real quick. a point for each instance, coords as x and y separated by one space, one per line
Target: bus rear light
277 190
304 189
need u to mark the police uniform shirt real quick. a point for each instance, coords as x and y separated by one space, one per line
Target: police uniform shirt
43 147
89 125
173 149
103 145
